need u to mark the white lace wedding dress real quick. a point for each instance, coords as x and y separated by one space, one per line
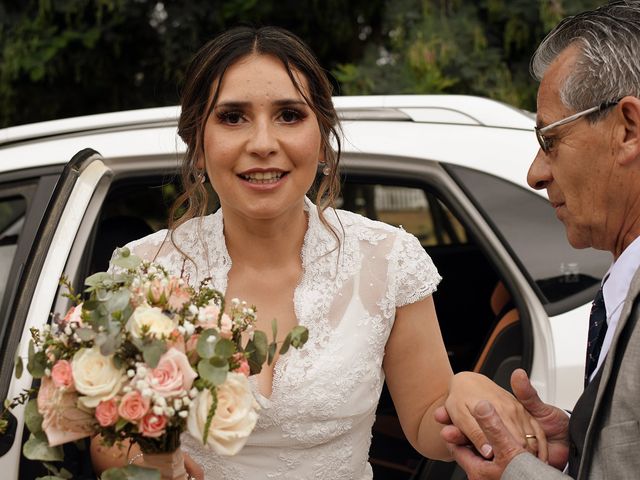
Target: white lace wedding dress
317 422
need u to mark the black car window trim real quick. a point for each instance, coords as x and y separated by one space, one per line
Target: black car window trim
551 308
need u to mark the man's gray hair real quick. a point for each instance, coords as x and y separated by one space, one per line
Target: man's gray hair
608 65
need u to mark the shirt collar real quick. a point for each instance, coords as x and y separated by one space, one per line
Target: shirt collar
620 274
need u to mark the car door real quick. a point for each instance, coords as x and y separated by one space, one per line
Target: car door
60 215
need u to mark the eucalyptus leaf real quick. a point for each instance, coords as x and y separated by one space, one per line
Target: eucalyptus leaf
260 341
299 336
128 262
151 352
213 370
52 477
224 348
120 424
90 304
131 472
32 418
36 449
96 279
109 345
274 328
118 301
37 365
19 366
284 348
85 334
272 352
255 357
64 473
205 348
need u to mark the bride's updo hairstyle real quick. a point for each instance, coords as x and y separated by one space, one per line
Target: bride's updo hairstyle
198 100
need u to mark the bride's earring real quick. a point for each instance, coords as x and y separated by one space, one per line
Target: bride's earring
326 170
201 177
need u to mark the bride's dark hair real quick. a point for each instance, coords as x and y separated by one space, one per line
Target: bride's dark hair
209 65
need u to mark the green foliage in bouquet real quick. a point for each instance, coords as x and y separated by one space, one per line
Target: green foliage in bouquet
142 359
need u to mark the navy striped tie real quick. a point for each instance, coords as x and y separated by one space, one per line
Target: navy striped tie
597 332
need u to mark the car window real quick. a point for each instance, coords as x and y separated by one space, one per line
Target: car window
529 228
12 213
418 211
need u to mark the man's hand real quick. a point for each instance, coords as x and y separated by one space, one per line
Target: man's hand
553 420
505 447
466 389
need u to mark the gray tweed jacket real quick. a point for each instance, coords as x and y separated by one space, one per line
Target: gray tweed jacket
612 445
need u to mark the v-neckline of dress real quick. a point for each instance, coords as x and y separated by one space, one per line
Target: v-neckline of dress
219 265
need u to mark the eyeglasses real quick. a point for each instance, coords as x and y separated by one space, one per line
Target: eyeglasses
546 143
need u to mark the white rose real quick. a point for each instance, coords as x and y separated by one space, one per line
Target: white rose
95 376
235 416
155 323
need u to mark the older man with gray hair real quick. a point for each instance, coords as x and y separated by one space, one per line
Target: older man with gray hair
589 162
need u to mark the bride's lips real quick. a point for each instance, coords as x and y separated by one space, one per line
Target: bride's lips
262 178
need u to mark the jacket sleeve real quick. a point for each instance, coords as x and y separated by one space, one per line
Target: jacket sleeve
527 467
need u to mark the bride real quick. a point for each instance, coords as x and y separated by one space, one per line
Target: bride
259 124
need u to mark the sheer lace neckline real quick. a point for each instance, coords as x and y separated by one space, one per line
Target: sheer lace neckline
219 263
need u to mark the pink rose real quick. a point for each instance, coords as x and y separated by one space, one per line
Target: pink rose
74 315
190 349
61 374
152 425
62 420
243 367
208 316
172 375
225 326
178 296
176 341
107 412
157 292
133 406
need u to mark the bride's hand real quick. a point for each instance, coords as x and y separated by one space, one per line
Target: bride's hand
194 470
466 389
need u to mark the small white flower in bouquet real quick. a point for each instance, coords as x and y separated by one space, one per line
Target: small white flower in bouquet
144 358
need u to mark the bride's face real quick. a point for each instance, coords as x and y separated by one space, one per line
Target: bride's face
262 142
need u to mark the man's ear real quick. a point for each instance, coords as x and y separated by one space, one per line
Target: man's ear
629 146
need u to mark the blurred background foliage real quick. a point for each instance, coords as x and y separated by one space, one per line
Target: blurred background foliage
61 58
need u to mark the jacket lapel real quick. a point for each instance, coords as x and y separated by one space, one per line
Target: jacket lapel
607 368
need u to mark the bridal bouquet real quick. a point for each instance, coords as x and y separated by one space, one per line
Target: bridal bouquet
143 359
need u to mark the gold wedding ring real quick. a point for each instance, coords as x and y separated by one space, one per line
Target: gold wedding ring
529 435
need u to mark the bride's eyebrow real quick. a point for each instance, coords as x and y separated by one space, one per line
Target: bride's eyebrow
284 102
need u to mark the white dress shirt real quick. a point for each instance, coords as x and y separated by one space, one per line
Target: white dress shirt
615 290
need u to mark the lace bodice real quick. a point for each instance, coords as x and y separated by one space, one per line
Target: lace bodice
317 422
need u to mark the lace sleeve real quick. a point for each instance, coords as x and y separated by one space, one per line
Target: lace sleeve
146 248
413 272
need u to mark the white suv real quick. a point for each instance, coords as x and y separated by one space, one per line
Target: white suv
450 169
